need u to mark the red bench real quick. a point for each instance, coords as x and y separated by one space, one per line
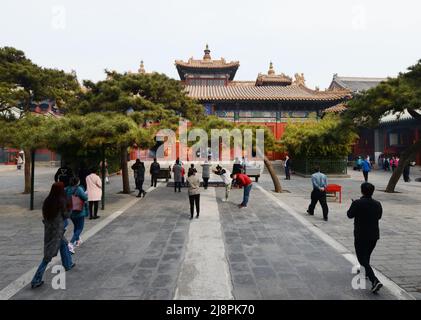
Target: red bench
333 188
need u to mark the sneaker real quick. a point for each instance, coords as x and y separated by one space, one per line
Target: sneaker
242 206
71 267
311 214
71 248
36 285
376 286
224 200
78 243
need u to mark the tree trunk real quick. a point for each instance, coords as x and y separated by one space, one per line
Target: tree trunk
124 170
403 161
27 171
275 180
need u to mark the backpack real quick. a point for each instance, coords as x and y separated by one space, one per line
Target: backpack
76 202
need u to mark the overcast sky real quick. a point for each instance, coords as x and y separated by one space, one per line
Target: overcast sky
375 38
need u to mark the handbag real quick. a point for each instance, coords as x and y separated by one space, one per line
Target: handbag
77 203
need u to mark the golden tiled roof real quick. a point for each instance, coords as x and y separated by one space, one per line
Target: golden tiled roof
263 93
338 108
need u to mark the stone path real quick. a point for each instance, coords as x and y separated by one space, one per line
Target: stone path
398 252
149 251
21 230
205 272
273 256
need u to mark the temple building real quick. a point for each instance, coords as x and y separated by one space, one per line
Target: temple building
272 99
395 132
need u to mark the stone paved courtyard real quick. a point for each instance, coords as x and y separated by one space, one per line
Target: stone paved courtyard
153 251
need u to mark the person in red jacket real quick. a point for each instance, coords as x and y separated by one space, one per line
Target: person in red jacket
244 181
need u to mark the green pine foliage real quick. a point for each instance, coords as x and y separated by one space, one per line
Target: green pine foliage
325 138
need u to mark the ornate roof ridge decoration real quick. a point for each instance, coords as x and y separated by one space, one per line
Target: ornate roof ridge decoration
207 62
299 79
345 92
141 69
271 78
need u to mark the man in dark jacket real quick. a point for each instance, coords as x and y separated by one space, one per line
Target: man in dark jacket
154 171
135 168
366 213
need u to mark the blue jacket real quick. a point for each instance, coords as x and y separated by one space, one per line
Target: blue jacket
82 195
366 166
319 180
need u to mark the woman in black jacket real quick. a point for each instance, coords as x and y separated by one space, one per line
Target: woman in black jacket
54 212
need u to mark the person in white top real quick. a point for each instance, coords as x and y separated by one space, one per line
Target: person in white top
225 176
94 188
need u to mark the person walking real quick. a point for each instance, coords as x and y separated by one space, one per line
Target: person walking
79 211
287 168
94 188
366 213
194 193
245 182
135 166
386 164
405 172
83 172
206 173
64 174
393 163
19 161
359 163
319 182
154 171
380 161
366 167
183 173
177 170
54 212
225 176
396 162
139 177
191 169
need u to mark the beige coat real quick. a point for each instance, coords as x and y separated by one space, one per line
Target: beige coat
94 187
194 185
